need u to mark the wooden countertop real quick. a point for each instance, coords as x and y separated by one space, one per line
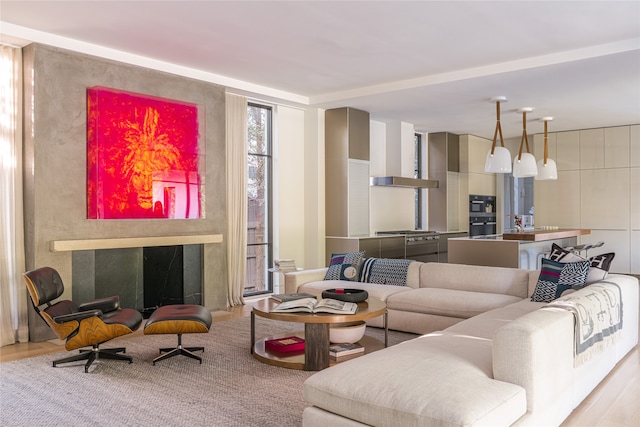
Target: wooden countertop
540 235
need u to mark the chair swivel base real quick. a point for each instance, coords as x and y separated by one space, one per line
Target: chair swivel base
96 353
179 350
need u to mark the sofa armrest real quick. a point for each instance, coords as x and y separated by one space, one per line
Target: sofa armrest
293 280
535 351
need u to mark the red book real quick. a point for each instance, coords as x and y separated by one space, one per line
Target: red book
285 345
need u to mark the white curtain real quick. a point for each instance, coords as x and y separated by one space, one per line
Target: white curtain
236 197
13 296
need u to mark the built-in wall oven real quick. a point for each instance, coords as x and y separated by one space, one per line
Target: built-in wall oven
482 215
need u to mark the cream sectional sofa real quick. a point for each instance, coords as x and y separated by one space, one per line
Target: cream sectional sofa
488 356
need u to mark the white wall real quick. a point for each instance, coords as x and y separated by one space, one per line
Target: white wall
299 194
289 184
391 208
598 188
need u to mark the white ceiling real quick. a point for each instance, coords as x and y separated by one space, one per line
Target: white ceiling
431 63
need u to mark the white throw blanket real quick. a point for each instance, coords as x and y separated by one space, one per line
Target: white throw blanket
598 316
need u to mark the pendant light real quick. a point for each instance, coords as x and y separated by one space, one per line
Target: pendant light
524 164
498 159
547 169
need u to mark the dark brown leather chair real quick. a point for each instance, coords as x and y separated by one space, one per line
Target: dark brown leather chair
88 324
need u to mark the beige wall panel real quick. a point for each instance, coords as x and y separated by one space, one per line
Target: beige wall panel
463 144
453 201
558 202
614 241
477 149
604 196
635 146
482 183
592 149
568 150
538 146
634 199
616 147
634 253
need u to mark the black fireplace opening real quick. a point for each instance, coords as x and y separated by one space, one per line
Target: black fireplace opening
163 280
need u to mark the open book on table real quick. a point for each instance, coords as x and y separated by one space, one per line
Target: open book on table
311 305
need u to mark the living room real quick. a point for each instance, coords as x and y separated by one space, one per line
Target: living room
60 172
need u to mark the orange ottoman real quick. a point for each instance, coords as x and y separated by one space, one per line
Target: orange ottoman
178 319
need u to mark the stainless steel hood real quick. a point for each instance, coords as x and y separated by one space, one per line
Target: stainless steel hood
403 182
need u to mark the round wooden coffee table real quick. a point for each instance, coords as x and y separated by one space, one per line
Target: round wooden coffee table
316 333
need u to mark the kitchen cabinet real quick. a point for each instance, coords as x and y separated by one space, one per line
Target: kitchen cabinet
443 243
347 172
375 246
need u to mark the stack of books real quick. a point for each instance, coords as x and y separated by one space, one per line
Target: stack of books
285 345
285 265
338 351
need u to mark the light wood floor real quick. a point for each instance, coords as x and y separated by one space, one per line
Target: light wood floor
614 403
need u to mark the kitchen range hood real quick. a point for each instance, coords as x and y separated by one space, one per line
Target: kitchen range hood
403 182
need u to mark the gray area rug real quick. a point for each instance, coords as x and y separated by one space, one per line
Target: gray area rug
230 388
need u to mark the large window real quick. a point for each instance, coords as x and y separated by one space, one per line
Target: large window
259 214
417 173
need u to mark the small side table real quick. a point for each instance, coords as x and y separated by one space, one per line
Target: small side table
281 279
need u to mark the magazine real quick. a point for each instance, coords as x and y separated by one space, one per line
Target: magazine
311 305
338 350
291 297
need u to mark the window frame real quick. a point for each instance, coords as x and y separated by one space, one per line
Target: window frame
269 199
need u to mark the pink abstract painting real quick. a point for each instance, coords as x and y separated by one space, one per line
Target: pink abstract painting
144 157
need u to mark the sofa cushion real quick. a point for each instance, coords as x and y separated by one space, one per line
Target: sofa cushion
448 302
486 324
345 266
381 292
557 277
599 264
407 374
494 280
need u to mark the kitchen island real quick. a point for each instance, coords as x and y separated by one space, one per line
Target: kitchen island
514 250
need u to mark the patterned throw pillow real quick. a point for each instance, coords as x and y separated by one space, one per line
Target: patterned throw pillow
345 266
556 277
600 264
385 271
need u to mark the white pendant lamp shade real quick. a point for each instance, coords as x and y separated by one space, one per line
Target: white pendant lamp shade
525 166
499 161
498 158
548 171
547 168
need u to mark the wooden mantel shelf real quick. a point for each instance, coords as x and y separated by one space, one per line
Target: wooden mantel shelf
131 242
540 235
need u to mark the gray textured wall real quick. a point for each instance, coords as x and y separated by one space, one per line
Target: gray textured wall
55 162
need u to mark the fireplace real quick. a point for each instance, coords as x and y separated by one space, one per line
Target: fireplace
144 278
145 272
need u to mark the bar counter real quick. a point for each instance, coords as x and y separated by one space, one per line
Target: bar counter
514 250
